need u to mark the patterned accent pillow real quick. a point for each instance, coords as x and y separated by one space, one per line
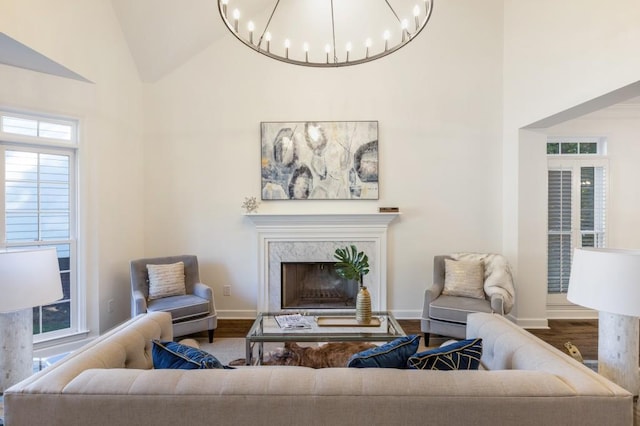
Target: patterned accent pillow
178 356
390 355
462 355
464 278
166 280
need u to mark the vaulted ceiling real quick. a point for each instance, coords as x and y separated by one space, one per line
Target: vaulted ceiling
164 34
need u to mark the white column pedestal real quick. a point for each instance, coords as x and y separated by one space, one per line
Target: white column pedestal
618 337
16 347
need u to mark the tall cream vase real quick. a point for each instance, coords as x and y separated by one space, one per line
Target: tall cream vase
363 306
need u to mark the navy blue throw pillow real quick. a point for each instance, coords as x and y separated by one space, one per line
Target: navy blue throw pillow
390 355
178 356
462 355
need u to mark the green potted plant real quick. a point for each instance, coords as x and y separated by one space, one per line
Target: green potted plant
354 265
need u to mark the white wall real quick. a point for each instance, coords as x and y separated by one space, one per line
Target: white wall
438 103
556 55
450 108
85 37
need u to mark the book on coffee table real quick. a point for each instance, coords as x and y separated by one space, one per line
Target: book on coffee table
292 321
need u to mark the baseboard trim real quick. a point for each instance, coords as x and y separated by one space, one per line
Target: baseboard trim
572 314
237 315
408 315
531 323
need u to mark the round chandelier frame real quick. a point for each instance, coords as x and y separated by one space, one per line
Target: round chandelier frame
334 55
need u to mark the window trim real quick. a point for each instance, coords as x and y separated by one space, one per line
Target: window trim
11 141
39 140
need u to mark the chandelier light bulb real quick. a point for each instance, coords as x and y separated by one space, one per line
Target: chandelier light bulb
405 29
236 19
259 21
267 37
251 27
386 37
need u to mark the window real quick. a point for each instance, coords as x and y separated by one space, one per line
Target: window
577 182
576 146
39 205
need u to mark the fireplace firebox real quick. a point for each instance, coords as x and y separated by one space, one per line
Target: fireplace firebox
315 285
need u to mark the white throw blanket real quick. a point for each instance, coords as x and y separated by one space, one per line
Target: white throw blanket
498 278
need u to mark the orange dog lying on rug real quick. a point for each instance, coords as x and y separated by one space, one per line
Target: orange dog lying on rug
334 354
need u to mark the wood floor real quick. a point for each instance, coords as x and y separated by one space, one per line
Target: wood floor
582 333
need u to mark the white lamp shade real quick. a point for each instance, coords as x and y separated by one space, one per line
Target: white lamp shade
606 280
29 278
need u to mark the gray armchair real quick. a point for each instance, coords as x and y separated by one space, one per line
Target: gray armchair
447 315
191 313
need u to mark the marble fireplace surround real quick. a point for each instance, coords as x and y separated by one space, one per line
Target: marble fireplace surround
314 238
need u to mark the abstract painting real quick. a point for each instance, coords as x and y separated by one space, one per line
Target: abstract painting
328 160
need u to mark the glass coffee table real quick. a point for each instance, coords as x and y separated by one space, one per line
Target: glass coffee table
323 327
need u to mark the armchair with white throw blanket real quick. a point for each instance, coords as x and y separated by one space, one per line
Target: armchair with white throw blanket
464 283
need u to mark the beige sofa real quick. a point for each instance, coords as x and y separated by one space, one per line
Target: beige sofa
111 382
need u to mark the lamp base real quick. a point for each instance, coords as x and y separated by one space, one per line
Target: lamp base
16 347
618 337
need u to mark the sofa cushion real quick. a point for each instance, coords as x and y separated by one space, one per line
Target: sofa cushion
166 280
464 278
180 307
178 356
463 355
390 355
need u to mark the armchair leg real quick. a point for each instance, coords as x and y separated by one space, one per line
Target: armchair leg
426 339
211 335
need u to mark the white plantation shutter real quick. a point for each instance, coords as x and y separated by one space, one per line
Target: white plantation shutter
559 230
576 216
592 206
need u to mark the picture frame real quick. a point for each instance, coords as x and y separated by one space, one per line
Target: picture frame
319 160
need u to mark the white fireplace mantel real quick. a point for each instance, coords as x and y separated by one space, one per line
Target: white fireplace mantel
318 220
314 237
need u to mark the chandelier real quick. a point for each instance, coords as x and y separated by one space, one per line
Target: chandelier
325 33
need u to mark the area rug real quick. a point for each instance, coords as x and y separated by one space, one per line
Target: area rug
233 348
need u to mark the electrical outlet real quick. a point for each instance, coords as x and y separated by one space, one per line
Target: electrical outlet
110 306
226 290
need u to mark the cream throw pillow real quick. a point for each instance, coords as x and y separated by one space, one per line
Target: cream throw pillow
464 278
166 280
